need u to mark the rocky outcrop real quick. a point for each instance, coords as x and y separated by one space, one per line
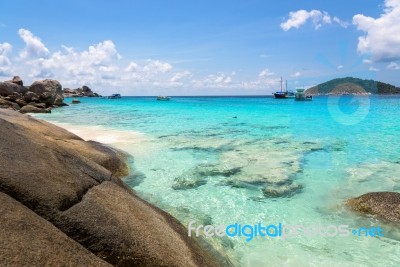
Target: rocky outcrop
7 88
47 92
62 200
80 92
384 205
17 80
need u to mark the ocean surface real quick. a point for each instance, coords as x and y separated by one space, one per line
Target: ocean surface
249 160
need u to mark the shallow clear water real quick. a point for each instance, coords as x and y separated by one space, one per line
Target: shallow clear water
222 160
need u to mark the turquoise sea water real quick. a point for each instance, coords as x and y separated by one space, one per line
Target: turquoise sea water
222 160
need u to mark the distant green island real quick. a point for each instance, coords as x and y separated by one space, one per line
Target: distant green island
353 86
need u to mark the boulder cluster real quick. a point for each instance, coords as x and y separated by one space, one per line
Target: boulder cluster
40 97
80 92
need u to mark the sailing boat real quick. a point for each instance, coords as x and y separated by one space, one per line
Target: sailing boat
280 94
284 94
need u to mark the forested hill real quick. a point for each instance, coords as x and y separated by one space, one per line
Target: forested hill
350 85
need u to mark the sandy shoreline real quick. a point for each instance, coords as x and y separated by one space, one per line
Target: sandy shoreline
132 142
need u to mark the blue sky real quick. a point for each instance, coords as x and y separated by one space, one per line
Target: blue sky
199 47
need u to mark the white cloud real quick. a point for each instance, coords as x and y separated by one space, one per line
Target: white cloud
326 18
104 52
157 66
340 67
382 35
5 49
265 56
296 19
296 74
102 68
149 73
393 66
265 83
342 23
318 18
5 63
90 64
373 69
179 76
262 85
367 61
33 45
265 73
219 80
132 67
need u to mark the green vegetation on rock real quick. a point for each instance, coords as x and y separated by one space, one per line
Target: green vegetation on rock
350 85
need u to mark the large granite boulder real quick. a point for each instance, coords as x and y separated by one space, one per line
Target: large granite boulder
30 97
8 88
384 205
34 109
74 185
17 80
27 239
49 91
8 104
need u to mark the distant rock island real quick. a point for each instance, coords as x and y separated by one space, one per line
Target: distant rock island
80 92
353 86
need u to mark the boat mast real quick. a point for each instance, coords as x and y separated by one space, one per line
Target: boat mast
286 86
281 83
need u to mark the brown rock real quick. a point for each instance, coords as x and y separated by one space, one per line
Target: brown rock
39 105
59 100
21 102
74 185
33 109
49 91
17 80
7 88
68 91
26 239
63 104
31 97
80 92
384 205
119 215
6 104
86 89
13 97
